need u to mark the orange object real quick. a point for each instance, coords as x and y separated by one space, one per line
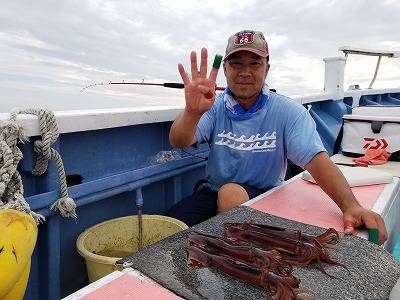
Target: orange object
373 157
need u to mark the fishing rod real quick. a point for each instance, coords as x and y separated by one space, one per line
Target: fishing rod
174 85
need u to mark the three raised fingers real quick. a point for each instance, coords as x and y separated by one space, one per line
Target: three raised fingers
194 69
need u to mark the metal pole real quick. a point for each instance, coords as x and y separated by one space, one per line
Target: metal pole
376 71
139 206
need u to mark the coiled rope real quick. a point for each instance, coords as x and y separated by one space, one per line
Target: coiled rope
11 189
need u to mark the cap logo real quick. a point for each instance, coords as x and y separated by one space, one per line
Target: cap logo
244 37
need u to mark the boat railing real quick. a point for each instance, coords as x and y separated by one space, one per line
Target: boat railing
380 53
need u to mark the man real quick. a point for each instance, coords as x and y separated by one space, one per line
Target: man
252 132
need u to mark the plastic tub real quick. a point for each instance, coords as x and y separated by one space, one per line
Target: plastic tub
103 244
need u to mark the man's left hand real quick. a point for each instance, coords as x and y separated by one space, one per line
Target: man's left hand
335 185
357 216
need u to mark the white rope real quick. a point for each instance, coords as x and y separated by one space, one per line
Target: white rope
11 189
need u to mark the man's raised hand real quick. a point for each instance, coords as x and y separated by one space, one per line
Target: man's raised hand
200 90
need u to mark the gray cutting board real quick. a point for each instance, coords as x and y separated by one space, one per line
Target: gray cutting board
374 271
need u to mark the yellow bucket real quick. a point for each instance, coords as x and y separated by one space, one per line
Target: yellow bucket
103 244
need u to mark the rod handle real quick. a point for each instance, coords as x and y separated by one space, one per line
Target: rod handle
174 85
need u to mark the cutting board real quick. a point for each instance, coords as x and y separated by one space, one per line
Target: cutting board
373 271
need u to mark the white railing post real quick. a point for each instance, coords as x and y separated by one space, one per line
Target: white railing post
334 76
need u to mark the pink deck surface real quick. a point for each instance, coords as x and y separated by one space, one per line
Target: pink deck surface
306 202
127 287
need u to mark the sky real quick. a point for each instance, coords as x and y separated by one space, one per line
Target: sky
50 50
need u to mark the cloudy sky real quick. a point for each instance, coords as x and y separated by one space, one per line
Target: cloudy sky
49 50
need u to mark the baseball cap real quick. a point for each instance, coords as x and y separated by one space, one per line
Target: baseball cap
247 40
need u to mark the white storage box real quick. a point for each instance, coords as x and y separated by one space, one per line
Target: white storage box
378 110
363 132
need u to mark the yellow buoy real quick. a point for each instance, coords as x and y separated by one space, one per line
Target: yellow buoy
17 241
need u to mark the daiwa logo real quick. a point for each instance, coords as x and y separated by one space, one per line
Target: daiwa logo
372 143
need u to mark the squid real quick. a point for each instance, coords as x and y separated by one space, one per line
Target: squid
245 253
278 288
300 248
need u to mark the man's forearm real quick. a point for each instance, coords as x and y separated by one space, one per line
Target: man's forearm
332 181
182 133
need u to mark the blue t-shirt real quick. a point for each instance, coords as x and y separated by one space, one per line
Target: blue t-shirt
254 151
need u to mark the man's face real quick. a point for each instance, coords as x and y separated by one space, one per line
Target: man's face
245 74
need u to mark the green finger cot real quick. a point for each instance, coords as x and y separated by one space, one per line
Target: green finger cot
373 234
217 61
